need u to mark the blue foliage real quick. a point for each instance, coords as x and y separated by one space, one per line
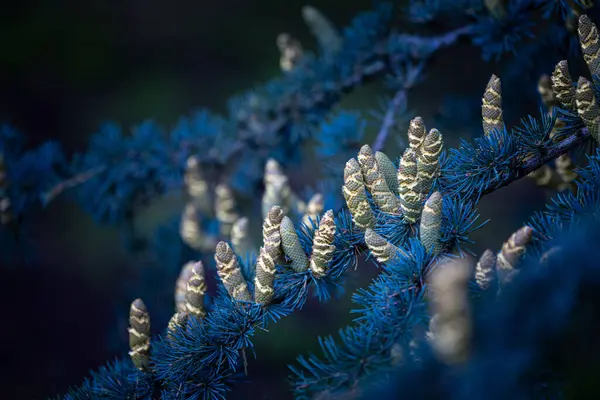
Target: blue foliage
338 140
26 176
138 167
274 120
117 380
205 359
561 7
193 134
29 172
567 210
422 11
545 323
497 36
474 166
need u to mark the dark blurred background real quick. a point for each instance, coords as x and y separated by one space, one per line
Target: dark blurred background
68 66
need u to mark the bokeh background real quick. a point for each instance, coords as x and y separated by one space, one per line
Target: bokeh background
68 66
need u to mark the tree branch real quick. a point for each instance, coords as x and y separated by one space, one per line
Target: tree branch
566 145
